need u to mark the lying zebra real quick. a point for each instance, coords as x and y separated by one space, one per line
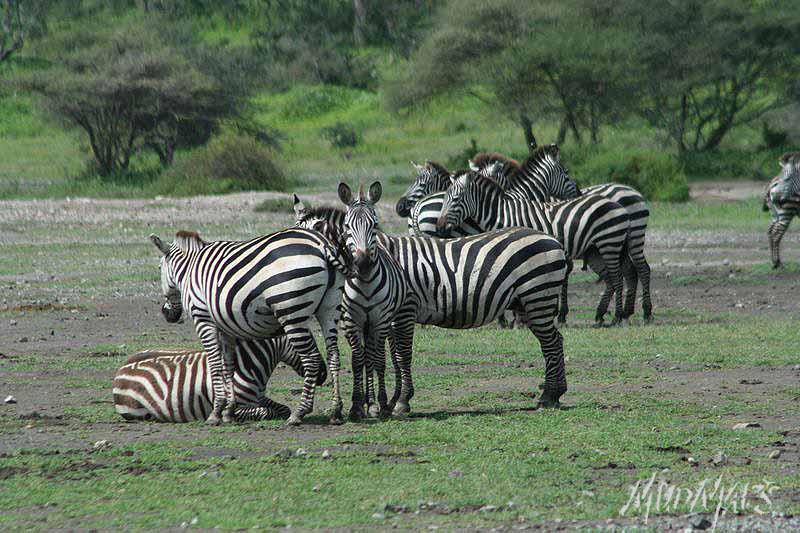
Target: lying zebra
175 385
782 200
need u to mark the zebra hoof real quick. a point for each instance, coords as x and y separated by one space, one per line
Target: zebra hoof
293 421
357 414
648 319
549 400
402 409
336 419
374 411
213 420
598 323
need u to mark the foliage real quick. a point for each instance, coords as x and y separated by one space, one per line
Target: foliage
459 160
283 204
659 177
773 138
709 66
340 135
19 20
232 162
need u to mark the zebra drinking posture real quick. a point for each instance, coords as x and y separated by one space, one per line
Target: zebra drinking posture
469 281
579 224
257 289
543 178
375 303
782 200
175 385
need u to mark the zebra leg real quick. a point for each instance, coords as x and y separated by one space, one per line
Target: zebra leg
613 286
377 352
207 332
643 275
555 377
398 375
357 350
332 351
403 340
266 409
775 232
228 348
564 309
302 340
631 284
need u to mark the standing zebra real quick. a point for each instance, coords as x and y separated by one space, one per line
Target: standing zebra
543 178
782 199
257 289
431 177
469 281
175 385
579 224
376 302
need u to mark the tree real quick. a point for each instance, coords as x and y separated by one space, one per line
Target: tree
708 66
561 59
128 90
17 19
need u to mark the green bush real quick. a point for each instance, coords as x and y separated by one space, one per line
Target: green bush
227 164
659 177
340 135
461 159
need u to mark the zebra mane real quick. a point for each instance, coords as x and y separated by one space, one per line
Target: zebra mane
188 241
791 157
438 167
541 153
487 158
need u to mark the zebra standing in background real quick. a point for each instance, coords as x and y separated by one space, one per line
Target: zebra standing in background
782 200
375 303
543 178
431 177
257 289
470 281
175 385
579 224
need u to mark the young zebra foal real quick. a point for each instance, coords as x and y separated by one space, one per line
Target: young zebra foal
375 301
175 385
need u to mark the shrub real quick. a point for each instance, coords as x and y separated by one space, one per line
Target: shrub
284 204
659 177
773 138
340 135
230 163
461 159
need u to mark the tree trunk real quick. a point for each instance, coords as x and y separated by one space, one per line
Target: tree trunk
527 129
15 36
562 131
594 123
359 22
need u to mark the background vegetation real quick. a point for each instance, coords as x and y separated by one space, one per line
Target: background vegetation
132 98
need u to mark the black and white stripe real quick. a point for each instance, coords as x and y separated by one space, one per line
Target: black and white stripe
585 226
258 289
175 385
542 177
470 281
782 199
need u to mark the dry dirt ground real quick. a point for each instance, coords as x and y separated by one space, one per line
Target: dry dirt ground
75 295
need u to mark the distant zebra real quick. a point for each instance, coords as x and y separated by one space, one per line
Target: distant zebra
468 282
257 289
175 385
543 178
376 303
585 226
782 200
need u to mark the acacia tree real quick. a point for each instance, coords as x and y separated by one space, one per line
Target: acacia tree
129 90
707 66
531 60
18 18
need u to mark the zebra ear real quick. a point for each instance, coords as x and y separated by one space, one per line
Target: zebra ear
299 207
375 192
162 247
345 193
555 151
473 167
418 167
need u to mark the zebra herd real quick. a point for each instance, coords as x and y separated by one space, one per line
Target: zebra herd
512 231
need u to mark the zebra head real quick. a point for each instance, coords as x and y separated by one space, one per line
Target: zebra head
431 177
459 202
545 166
360 225
173 266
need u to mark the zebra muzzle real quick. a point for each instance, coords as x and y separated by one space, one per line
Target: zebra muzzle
402 207
172 313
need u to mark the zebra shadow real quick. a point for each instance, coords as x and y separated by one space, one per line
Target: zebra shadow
445 414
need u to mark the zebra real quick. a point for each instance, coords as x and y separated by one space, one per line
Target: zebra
431 177
468 282
543 178
175 385
257 289
782 200
376 302
586 226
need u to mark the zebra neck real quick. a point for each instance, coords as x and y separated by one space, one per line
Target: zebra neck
531 184
490 208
